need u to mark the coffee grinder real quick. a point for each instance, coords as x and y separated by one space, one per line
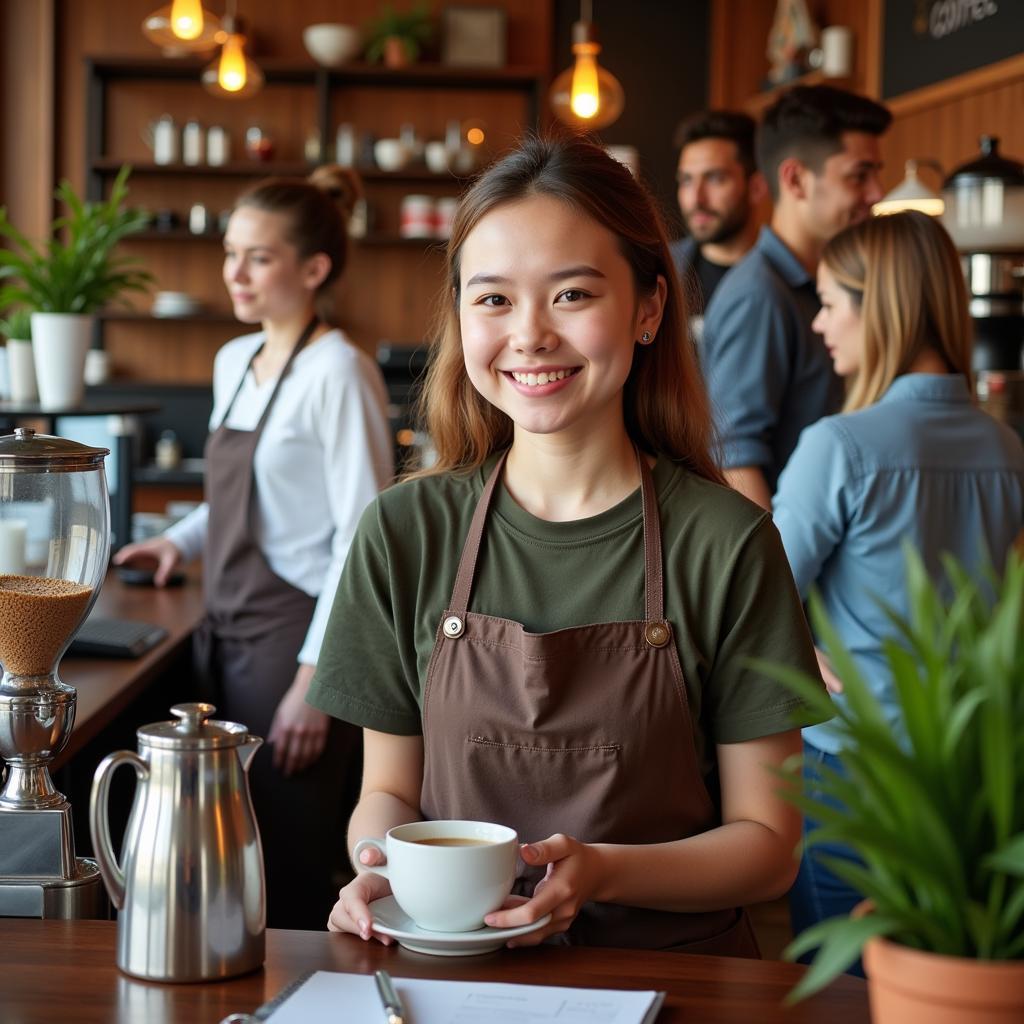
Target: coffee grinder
54 545
984 214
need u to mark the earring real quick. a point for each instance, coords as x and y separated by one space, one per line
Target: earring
645 338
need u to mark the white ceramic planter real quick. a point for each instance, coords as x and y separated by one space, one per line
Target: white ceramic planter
21 371
59 343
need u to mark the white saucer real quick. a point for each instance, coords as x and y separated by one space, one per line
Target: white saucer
390 919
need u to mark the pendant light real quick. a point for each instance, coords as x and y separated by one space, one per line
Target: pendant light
181 28
912 194
233 75
586 95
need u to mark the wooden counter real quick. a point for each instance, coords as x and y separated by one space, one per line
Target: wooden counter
106 686
64 971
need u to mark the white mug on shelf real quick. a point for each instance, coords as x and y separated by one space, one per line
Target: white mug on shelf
218 145
21 370
162 135
13 545
192 143
837 51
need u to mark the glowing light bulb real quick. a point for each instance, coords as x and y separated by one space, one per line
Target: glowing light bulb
475 136
586 95
187 19
231 71
585 99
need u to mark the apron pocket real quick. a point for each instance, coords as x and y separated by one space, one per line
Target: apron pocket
546 788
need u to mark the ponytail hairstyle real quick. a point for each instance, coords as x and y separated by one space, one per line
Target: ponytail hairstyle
903 273
665 405
316 213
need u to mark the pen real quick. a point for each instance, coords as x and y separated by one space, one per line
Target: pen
393 1012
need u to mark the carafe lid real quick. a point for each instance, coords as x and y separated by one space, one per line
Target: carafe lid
193 730
25 451
990 166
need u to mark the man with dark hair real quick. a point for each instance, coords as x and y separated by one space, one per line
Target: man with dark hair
768 373
719 190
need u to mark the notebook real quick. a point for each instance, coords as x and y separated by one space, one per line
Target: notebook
327 997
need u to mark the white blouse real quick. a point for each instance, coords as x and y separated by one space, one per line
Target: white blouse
325 452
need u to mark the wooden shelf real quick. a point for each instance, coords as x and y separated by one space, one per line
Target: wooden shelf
401 242
236 169
358 73
206 316
757 104
374 240
288 169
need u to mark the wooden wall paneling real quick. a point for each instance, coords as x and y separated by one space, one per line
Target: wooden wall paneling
949 130
27 76
170 351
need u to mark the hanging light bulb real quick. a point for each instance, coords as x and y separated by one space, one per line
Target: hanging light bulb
182 28
912 193
586 95
233 75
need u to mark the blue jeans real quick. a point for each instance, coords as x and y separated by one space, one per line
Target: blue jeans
818 893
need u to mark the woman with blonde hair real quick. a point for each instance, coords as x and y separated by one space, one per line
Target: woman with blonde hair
299 444
910 459
550 628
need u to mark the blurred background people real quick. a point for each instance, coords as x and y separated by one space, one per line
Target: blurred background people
911 458
719 192
299 444
767 372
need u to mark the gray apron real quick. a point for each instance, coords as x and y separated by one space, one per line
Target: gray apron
245 651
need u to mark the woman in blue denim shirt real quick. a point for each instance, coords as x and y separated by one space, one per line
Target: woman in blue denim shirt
911 457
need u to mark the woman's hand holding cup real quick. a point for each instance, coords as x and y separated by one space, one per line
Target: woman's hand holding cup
575 874
352 911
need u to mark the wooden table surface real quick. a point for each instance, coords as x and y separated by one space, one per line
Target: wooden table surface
107 685
64 971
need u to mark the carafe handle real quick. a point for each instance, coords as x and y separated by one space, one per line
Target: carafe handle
99 819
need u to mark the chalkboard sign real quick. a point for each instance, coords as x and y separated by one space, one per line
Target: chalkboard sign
926 41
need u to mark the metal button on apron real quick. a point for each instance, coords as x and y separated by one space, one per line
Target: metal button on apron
656 634
453 626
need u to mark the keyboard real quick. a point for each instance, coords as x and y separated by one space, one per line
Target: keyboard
115 638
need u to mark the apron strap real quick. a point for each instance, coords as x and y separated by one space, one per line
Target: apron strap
654 589
303 338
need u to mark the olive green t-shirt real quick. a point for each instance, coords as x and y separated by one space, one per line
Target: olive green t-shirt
729 595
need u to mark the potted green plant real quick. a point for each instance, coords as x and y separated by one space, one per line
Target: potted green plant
16 328
935 812
67 279
398 37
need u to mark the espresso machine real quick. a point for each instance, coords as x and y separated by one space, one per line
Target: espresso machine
54 546
984 215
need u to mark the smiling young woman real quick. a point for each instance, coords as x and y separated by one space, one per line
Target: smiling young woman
554 620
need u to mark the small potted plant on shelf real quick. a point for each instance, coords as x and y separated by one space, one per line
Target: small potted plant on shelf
398 37
935 812
16 329
66 280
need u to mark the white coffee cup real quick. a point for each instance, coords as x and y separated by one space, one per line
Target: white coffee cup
447 888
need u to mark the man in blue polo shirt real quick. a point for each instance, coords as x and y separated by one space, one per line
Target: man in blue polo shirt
768 373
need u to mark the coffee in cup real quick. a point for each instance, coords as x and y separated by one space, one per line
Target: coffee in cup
447 875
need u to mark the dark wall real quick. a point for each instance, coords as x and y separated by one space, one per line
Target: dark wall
659 51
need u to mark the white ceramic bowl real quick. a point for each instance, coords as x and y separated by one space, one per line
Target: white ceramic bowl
332 45
436 154
390 154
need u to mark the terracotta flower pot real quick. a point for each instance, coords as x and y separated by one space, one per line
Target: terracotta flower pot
395 53
906 986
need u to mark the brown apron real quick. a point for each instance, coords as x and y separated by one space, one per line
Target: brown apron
585 731
245 651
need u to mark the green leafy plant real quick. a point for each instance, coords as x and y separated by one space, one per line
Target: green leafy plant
17 324
935 814
78 273
414 28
